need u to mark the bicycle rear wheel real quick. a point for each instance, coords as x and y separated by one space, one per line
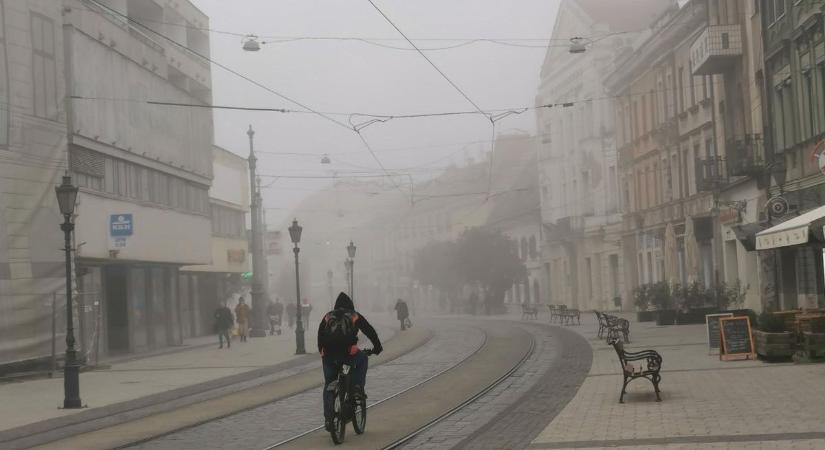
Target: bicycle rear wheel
359 413
339 420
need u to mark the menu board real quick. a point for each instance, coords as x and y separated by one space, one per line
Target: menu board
737 340
713 330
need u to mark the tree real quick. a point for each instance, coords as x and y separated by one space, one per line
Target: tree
435 264
490 259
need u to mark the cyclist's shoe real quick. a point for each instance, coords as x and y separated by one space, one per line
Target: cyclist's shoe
359 392
328 425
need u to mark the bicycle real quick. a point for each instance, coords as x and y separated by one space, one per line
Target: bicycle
348 406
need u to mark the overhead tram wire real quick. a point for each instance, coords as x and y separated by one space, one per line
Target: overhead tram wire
250 80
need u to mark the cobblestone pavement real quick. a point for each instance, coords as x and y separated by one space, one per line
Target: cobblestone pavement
705 402
274 422
516 410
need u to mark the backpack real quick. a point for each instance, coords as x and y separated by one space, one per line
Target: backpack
341 331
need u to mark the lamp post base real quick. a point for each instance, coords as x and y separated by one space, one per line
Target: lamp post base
300 348
71 384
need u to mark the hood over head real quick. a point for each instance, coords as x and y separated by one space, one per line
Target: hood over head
344 302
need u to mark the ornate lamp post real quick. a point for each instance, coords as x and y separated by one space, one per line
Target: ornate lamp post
66 198
295 234
351 253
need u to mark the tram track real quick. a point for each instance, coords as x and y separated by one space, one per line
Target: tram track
415 409
401 392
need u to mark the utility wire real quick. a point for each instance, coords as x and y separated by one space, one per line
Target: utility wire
443 75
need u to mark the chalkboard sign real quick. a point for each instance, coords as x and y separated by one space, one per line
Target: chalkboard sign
714 332
737 340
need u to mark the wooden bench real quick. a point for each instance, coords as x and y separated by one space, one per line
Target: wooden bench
529 312
649 369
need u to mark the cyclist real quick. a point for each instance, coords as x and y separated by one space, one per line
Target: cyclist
338 344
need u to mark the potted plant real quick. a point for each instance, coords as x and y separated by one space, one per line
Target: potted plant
641 299
772 340
662 297
814 341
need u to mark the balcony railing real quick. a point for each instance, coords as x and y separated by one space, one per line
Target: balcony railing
711 174
715 49
745 155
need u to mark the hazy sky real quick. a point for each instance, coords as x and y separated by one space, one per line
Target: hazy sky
351 76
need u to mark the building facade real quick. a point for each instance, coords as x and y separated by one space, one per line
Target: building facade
579 168
32 160
791 250
201 288
144 170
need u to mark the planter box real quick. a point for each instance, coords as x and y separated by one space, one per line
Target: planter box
814 344
774 345
694 316
666 317
645 316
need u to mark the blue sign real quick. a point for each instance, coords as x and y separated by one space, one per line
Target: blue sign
120 225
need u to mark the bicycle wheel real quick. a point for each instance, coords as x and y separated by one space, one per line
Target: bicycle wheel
339 420
359 413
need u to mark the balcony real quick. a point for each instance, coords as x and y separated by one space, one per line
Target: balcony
710 174
745 156
716 49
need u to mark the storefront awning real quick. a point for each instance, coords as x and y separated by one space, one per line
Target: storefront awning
795 231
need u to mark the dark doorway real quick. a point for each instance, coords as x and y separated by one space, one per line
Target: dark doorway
117 317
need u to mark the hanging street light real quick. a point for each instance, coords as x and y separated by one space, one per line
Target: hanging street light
251 43
66 200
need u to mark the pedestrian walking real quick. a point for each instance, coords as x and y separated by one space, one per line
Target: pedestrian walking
223 323
275 311
402 312
242 317
290 314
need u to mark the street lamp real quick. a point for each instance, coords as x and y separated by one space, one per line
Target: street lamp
66 198
295 235
251 43
351 253
577 45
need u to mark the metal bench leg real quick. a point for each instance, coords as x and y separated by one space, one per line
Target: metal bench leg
624 387
656 380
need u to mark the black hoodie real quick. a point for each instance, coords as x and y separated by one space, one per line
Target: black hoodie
343 302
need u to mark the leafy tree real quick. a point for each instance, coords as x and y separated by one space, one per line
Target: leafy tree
491 259
435 264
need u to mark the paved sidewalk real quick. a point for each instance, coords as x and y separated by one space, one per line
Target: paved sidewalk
36 400
706 402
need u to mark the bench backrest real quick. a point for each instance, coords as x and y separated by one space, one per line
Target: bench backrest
619 347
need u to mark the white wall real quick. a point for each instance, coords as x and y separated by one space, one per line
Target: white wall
231 178
159 235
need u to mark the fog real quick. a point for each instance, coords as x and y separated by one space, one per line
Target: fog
352 76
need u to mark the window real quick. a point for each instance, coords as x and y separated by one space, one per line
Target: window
44 67
5 98
227 221
681 104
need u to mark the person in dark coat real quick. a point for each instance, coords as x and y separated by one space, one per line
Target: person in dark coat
223 323
402 312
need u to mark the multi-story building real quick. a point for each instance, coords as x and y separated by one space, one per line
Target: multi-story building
144 170
692 164
794 45
32 159
201 288
579 171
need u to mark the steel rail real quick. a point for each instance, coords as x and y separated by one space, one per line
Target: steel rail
407 389
467 402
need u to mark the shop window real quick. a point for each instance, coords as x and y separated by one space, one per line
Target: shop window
44 66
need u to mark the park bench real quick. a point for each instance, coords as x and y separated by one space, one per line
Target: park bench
603 323
554 312
614 326
567 316
529 312
651 365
